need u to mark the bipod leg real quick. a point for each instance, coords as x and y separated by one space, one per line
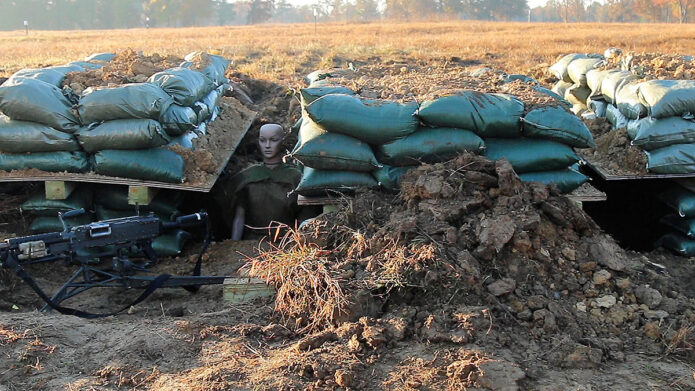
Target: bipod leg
90 278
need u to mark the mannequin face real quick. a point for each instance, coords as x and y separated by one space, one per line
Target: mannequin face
270 143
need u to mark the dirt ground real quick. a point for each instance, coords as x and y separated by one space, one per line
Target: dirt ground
467 280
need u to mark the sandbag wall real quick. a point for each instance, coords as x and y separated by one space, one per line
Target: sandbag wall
105 202
346 142
121 131
657 114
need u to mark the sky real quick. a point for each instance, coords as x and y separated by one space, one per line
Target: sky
531 3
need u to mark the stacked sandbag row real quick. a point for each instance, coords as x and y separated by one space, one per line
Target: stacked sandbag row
657 114
343 138
681 222
105 203
123 131
572 71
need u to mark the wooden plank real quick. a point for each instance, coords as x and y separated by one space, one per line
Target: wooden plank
587 193
202 186
627 177
141 195
327 200
245 289
58 190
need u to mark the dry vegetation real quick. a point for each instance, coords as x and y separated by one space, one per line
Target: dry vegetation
284 52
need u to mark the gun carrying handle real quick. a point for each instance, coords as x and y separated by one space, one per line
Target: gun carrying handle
192 220
72 213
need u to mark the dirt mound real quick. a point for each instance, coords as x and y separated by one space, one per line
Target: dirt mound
613 153
468 253
127 67
654 65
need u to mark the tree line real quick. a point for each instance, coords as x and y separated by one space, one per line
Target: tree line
107 14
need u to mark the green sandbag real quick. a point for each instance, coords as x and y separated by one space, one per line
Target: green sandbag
24 136
551 94
674 159
211 101
158 164
595 77
680 224
104 57
320 182
598 106
488 115
389 177
557 124
74 162
628 102
171 244
559 69
86 65
309 95
651 133
561 88
46 75
615 117
123 134
668 98
429 145
165 204
185 140
45 224
212 66
136 100
177 120
372 121
531 155
297 125
612 81
680 199
322 150
678 243
33 100
186 86
566 180
80 198
577 69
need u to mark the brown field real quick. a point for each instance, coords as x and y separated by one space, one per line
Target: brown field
284 52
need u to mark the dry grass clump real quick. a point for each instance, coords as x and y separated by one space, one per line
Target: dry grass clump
682 342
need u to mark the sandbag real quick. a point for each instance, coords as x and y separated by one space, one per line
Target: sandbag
559 69
566 180
186 86
23 136
103 213
80 198
667 98
678 243
45 224
557 124
159 164
674 159
212 66
612 81
561 88
372 121
628 102
104 57
33 100
211 101
185 140
170 244
429 145
531 155
323 74
320 182
651 133
577 69
389 177
308 95
488 115
684 226
177 120
123 134
136 100
86 65
578 95
594 79
615 117
515 77
323 150
551 94
74 162
598 106
165 204
51 76
680 199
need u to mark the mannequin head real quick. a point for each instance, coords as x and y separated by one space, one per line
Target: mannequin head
270 140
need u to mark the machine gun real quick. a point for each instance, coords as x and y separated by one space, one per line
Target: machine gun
88 246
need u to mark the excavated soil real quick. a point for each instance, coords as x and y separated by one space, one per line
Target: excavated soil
614 155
